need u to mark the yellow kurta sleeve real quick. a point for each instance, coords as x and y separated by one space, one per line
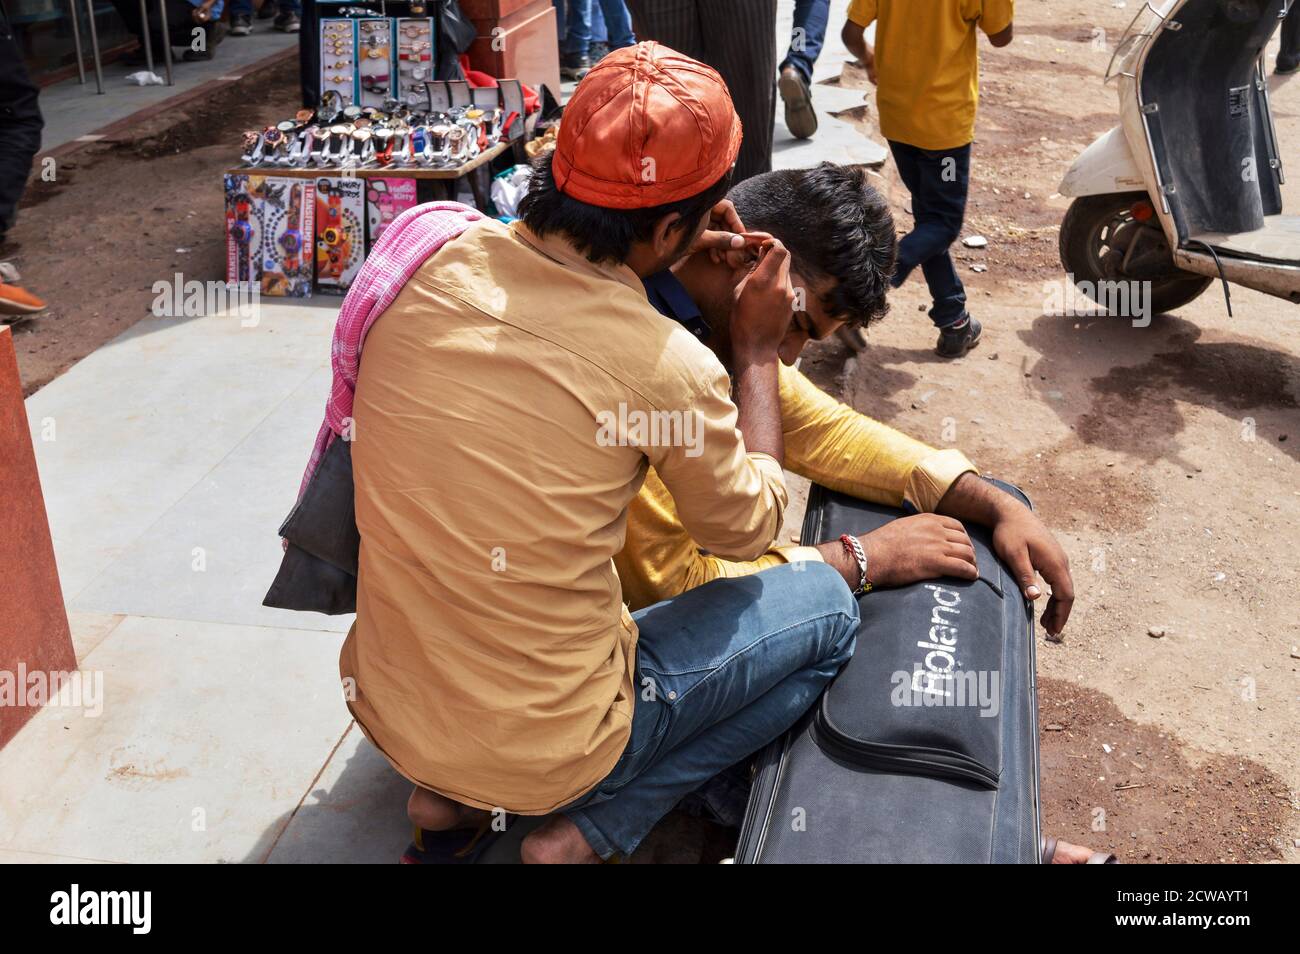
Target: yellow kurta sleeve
831 444
660 560
825 441
732 501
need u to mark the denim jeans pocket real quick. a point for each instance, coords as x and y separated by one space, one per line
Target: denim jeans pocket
651 713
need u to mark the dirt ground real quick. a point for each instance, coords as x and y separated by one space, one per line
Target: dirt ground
1164 457
123 214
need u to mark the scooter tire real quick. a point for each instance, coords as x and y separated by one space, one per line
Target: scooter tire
1081 231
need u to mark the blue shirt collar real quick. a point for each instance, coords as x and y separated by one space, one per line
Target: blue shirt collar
671 299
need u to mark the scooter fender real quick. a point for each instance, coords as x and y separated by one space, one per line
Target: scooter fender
1105 167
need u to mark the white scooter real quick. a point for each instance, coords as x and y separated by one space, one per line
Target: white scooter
1186 189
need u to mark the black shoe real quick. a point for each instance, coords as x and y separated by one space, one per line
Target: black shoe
288 22
598 52
956 339
241 24
800 117
574 66
1287 63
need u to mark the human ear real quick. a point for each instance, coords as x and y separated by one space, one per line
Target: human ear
664 237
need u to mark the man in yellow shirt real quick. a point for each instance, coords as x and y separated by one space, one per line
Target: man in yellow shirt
925 64
840 235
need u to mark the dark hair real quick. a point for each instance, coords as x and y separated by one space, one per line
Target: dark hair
606 235
835 224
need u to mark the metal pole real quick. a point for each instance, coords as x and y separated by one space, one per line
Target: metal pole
94 46
144 38
166 40
76 39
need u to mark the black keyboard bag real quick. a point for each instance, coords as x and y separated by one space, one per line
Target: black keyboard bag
872 774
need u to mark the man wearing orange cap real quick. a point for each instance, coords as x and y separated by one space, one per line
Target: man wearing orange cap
508 407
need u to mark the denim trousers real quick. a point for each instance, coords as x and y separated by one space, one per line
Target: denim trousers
721 671
939 182
585 21
283 6
807 36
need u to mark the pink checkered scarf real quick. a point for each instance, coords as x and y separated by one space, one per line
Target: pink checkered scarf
405 245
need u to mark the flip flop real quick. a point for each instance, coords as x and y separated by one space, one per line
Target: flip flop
458 846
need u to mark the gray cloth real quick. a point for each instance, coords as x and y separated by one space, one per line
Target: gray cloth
738 39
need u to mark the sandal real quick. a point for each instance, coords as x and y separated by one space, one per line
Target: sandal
456 846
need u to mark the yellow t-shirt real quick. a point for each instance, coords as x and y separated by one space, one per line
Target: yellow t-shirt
927 65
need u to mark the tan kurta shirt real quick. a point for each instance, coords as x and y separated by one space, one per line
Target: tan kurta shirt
498 411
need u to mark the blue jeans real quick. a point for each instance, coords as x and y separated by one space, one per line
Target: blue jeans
586 20
722 670
939 182
246 7
810 18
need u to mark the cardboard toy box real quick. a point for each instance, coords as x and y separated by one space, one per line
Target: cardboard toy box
340 232
386 199
287 207
243 229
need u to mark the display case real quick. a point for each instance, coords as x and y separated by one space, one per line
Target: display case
415 63
374 60
338 58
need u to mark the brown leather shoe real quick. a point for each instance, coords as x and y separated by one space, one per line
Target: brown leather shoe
800 117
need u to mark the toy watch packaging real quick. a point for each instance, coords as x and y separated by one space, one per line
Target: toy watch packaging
414 60
338 59
374 60
340 232
286 213
386 199
243 229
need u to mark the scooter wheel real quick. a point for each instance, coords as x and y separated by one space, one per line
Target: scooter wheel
1096 235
